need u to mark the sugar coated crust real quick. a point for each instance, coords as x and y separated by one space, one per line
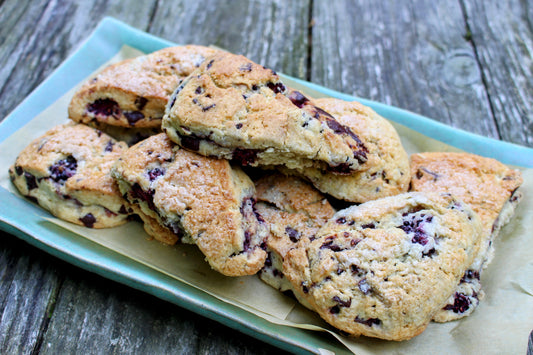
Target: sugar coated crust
490 188
386 171
384 268
199 200
134 92
67 172
293 210
233 108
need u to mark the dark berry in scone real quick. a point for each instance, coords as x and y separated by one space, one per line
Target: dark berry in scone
134 92
67 172
384 268
233 108
183 196
491 189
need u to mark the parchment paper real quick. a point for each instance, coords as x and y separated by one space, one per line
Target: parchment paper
500 325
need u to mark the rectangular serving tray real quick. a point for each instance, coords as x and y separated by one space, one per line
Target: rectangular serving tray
28 222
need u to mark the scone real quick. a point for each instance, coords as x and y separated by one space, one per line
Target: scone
181 195
386 171
292 210
490 188
235 109
67 172
384 268
134 92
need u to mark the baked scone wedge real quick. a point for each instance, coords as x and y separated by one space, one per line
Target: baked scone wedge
67 172
233 108
386 171
384 268
490 188
292 210
183 196
134 92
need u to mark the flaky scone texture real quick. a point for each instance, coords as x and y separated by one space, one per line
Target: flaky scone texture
490 188
292 210
386 171
199 200
134 92
384 268
233 108
67 172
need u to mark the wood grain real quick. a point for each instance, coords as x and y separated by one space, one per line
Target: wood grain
29 283
502 32
260 30
94 313
413 55
39 35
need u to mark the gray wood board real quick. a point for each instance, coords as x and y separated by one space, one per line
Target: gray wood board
412 55
502 33
272 33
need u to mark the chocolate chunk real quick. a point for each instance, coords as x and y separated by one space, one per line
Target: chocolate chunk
276 87
341 302
293 234
298 99
63 169
88 220
109 146
146 196
461 303
190 142
140 102
104 107
155 173
244 157
31 182
133 116
368 322
329 245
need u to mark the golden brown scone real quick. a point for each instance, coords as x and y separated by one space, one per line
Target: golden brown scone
490 188
385 173
67 172
292 210
233 108
134 92
197 200
384 268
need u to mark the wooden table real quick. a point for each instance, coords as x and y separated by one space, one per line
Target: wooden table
466 63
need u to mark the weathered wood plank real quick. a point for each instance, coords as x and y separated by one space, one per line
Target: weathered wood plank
273 33
41 34
28 283
94 313
408 54
502 32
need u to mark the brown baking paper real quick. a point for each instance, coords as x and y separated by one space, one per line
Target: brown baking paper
500 324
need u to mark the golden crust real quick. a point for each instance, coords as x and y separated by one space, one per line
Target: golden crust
203 200
483 183
138 86
90 190
386 172
231 103
384 268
